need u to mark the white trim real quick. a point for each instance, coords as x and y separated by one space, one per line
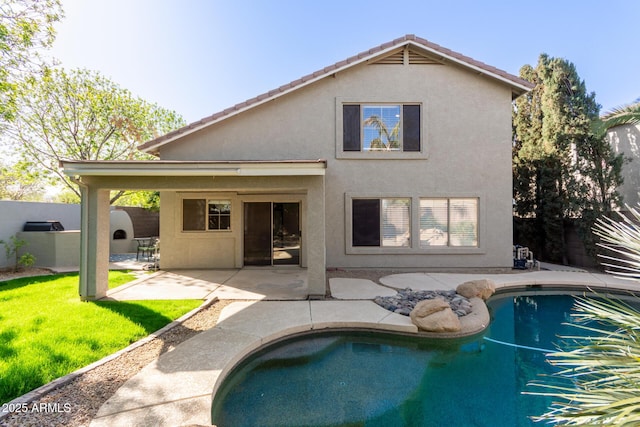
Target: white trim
158 168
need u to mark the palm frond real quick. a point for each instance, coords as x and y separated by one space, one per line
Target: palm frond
604 368
626 114
621 238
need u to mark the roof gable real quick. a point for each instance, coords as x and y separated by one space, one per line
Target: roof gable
405 50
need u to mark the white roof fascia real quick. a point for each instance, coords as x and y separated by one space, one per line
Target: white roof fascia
237 169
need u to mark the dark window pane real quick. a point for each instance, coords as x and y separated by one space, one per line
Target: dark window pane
225 222
193 214
214 222
351 127
411 128
365 222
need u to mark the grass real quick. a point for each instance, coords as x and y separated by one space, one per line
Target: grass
46 331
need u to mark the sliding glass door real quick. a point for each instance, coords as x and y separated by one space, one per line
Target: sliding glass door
271 233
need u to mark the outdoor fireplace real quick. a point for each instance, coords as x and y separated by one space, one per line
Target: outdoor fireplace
119 235
121 232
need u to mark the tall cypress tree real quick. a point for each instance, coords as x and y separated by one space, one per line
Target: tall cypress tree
561 168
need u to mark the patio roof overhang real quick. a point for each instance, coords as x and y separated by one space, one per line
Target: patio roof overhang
166 168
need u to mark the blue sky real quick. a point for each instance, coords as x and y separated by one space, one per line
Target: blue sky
198 57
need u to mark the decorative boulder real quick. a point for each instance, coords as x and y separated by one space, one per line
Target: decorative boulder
435 315
481 288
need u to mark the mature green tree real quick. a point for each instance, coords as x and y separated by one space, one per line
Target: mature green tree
80 115
26 27
562 169
21 181
149 200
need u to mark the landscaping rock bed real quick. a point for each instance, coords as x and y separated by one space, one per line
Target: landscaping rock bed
405 301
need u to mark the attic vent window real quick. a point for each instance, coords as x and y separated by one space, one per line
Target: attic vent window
393 59
406 56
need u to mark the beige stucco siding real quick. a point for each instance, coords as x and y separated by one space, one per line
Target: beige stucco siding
466 152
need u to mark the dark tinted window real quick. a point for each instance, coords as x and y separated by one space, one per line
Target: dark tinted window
366 222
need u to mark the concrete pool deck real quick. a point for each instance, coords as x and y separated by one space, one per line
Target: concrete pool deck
176 389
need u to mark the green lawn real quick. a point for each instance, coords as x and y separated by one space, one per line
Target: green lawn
47 332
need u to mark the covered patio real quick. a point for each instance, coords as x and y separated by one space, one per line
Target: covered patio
245 180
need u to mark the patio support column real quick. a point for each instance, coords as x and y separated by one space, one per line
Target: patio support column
94 244
315 240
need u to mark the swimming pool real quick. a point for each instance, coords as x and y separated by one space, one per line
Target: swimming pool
376 379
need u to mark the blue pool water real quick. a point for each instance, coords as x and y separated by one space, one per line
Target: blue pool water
374 379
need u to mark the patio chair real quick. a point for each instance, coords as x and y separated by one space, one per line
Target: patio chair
147 248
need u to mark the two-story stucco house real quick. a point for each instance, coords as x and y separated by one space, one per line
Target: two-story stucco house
396 157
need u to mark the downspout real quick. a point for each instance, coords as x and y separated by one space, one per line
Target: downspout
83 288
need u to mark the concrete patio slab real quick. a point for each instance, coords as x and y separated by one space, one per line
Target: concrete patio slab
571 278
268 319
176 388
424 281
349 289
265 283
168 285
234 284
358 314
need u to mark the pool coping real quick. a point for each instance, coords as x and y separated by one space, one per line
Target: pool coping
178 387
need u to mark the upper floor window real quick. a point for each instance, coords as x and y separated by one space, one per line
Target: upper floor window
381 127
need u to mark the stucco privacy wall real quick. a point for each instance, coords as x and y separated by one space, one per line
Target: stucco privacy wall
466 152
13 215
626 140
